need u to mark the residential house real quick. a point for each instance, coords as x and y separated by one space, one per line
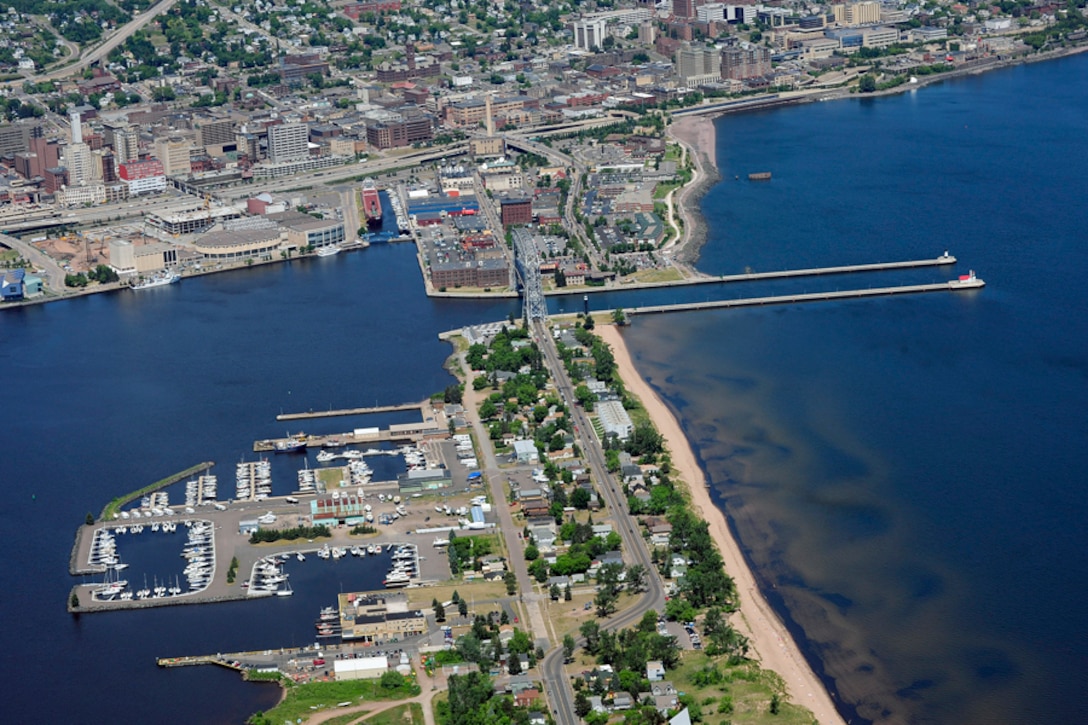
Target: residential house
655 671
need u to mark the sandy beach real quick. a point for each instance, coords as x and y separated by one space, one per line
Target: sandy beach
771 642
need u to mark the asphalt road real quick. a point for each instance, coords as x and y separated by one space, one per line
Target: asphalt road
556 683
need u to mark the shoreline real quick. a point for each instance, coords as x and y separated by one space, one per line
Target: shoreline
697 133
773 645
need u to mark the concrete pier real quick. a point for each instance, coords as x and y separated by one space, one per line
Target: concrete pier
952 286
942 260
350 411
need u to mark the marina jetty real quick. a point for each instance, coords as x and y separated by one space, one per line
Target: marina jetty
433 422
114 506
421 406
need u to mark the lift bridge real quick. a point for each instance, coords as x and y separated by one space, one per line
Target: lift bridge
527 263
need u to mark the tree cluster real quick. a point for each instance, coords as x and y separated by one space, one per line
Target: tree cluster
292 534
472 701
628 651
465 552
705 583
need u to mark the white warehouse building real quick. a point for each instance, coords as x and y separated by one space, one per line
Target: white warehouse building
361 668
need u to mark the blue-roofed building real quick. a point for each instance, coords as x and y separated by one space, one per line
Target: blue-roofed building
32 285
11 288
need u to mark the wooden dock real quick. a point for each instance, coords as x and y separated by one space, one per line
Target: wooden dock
351 411
951 286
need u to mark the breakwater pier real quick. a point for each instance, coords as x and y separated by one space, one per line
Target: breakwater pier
353 411
944 259
955 285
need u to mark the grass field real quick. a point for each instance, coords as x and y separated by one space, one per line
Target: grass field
657 275
303 700
410 713
469 591
744 694
331 477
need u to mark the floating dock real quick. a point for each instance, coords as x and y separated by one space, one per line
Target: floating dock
951 286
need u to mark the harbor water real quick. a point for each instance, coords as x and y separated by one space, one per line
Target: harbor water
902 472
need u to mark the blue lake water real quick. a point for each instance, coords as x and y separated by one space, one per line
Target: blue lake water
903 472
906 473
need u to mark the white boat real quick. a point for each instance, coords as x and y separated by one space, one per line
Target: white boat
159 280
328 250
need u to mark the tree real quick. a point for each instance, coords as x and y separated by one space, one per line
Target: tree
452 394
462 608
511 581
553 592
636 577
581 704
532 553
567 596
619 316
74 601
539 570
513 664
591 632
867 83
606 602
439 612
568 646
90 519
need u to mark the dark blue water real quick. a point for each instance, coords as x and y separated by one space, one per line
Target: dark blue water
108 393
907 474
902 471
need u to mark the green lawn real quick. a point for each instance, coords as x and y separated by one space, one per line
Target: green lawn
743 695
410 713
303 700
662 189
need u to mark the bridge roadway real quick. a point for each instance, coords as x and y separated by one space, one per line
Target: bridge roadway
556 683
950 286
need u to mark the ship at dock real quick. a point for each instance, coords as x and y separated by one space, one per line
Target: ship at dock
372 204
159 280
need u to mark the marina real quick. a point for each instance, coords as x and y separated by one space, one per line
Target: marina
217 545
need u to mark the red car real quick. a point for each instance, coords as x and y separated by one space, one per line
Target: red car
318 662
